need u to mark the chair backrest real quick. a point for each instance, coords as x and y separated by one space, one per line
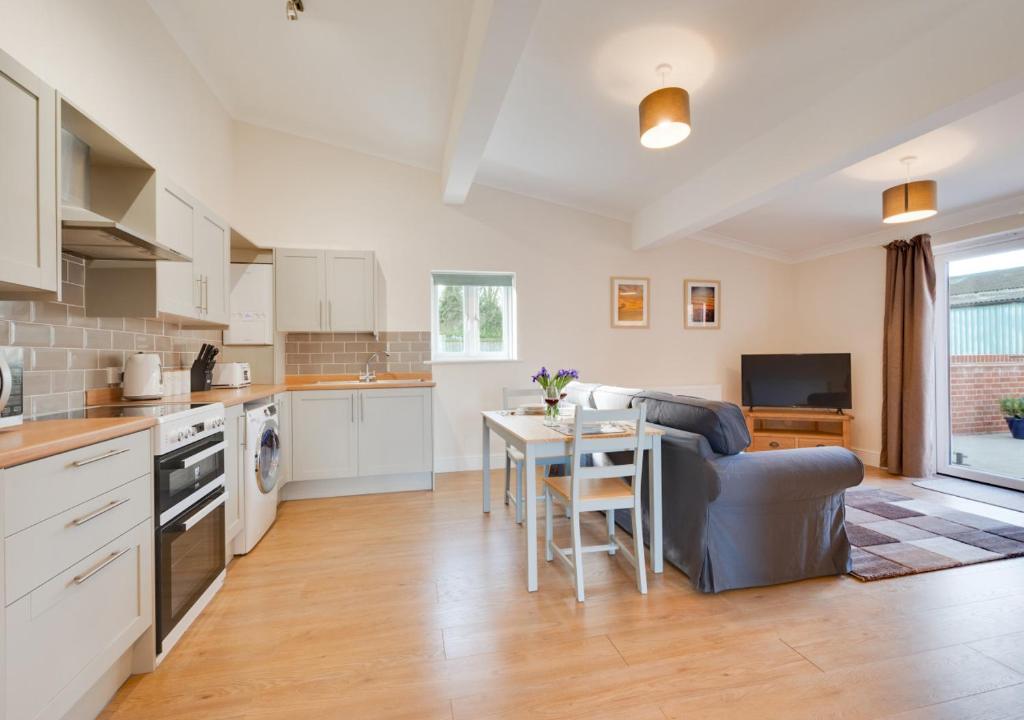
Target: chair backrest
583 444
512 398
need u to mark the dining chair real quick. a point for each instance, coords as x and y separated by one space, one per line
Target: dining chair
600 489
511 399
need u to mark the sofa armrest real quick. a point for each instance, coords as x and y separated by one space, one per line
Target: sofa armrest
786 475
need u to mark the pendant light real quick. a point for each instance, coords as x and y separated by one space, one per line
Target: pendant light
664 114
910 201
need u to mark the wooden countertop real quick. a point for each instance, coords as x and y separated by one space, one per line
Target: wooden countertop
385 380
37 439
235 396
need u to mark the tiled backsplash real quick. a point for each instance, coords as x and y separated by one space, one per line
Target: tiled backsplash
329 353
67 353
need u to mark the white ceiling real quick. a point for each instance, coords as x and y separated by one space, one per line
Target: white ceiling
380 77
376 76
976 160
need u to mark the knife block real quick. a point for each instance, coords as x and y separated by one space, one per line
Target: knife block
202 379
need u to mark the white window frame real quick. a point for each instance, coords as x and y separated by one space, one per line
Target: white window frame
471 334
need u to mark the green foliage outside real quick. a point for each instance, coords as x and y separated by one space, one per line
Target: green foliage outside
1012 407
491 323
450 312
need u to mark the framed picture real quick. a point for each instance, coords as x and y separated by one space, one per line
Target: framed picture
702 304
631 302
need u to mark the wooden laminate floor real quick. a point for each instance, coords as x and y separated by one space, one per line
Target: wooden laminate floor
414 606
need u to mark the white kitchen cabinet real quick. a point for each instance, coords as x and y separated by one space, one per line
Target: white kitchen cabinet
212 266
327 291
284 422
234 441
194 292
349 285
324 434
299 290
350 442
29 240
394 431
78 553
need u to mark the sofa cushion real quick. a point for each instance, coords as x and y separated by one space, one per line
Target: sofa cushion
610 397
722 423
580 393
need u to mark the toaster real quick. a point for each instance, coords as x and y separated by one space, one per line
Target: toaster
232 374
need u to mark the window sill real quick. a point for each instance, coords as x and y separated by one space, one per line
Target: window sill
471 361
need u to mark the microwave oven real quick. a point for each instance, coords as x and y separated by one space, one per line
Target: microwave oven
12 396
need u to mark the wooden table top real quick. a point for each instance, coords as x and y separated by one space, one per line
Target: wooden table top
531 428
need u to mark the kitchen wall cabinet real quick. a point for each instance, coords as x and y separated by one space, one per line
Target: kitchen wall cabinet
194 292
29 239
328 291
299 282
350 442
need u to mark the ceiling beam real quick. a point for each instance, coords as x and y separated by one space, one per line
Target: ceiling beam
498 31
959 66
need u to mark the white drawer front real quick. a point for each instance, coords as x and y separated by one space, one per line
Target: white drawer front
41 489
36 554
90 613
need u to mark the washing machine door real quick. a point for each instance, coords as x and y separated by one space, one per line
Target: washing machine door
268 457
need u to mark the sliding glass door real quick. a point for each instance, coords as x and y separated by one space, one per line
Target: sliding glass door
980 362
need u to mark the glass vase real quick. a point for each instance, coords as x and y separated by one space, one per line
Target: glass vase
552 397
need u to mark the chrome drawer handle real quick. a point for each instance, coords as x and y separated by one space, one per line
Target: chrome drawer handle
104 456
79 579
202 455
96 513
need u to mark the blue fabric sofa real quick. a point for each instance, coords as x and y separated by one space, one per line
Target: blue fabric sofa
734 519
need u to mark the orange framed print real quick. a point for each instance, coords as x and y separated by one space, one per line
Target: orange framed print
702 304
631 302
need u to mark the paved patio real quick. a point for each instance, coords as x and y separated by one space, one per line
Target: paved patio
997 453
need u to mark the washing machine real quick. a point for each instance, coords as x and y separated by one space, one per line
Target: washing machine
261 472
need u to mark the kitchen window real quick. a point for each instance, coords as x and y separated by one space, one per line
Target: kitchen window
473 316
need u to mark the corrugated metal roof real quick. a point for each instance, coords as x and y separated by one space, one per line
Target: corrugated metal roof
987 288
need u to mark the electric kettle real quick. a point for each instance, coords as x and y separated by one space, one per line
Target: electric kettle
143 377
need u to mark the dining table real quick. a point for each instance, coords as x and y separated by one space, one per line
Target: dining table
530 436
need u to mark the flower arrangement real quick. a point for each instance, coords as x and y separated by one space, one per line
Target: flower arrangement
553 387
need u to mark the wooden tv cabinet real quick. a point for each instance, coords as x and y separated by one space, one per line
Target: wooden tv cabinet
784 428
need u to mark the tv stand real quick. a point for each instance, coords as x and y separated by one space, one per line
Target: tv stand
788 428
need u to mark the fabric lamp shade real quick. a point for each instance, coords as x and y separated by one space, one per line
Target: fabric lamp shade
664 118
910 201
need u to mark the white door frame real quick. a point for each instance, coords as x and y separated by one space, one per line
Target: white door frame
945 254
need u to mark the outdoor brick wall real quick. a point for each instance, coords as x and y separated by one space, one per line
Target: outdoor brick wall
977 384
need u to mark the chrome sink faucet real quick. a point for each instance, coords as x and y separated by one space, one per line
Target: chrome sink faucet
368 375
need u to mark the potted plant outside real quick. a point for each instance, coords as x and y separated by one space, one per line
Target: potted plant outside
1013 411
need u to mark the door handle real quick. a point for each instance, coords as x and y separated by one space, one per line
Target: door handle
96 513
202 455
79 579
330 315
206 293
194 520
104 456
353 409
320 315
362 408
773 444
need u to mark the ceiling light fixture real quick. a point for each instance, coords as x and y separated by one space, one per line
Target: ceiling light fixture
910 201
292 8
664 114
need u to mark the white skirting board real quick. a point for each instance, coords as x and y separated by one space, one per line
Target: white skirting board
309 489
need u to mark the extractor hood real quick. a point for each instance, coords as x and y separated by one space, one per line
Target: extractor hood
92 236
88 234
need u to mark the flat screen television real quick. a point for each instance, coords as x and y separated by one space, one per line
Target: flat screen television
801 381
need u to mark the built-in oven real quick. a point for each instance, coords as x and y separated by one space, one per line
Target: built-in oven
190 548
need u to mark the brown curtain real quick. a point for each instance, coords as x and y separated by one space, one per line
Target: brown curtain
908 417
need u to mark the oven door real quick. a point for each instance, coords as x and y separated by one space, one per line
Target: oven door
190 553
184 476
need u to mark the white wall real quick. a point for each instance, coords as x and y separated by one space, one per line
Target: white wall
840 308
114 60
295 192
